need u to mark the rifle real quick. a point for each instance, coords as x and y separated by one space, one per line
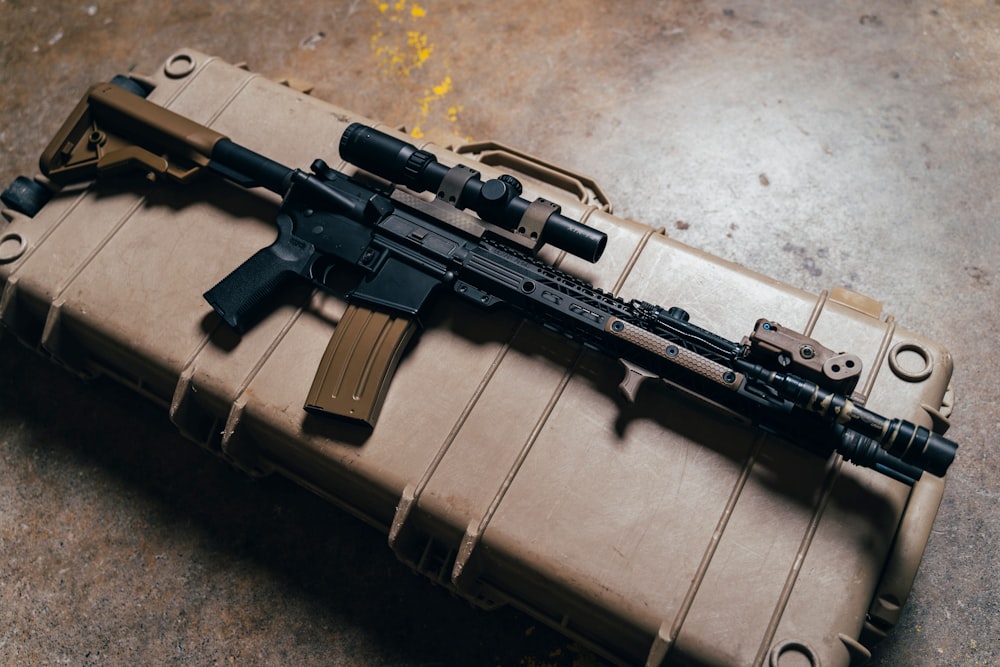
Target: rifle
399 249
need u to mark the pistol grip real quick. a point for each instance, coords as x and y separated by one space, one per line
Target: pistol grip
360 359
237 297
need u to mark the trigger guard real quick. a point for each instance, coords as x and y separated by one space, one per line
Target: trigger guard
320 270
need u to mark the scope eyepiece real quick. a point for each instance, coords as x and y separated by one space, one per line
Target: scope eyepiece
496 201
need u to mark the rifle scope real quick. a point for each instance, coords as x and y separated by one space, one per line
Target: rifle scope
496 201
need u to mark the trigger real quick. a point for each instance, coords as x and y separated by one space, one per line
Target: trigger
634 377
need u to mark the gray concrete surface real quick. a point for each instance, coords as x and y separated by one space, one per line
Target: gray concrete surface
851 143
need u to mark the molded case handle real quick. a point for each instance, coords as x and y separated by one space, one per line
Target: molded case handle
582 188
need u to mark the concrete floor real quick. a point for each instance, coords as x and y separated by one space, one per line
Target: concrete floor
823 144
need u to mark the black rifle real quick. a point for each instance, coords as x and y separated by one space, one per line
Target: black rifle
403 249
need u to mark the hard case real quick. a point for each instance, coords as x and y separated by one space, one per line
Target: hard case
504 465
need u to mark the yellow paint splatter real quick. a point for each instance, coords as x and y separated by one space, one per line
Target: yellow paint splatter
422 50
401 50
395 59
443 87
433 95
393 56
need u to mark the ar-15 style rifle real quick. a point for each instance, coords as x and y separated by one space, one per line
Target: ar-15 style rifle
403 248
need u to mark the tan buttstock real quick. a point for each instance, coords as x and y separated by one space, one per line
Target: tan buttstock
360 359
112 129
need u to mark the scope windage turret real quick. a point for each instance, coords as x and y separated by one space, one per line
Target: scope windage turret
496 201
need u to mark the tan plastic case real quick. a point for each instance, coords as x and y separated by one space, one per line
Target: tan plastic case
504 465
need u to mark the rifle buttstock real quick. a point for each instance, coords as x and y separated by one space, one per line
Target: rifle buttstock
112 129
